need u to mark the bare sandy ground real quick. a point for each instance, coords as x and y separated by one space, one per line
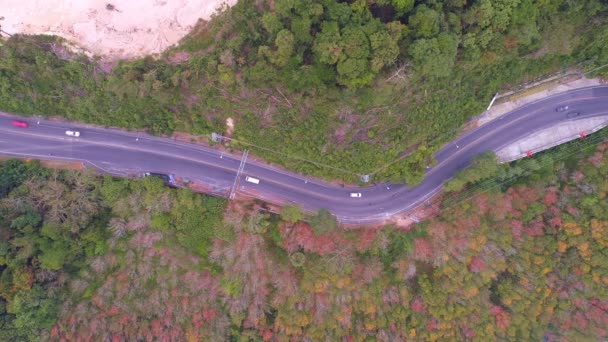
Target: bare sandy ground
115 29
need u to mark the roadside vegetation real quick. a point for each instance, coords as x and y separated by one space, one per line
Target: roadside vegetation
482 167
84 257
354 85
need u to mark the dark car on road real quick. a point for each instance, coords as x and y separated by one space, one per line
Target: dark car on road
572 115
167 179
561 108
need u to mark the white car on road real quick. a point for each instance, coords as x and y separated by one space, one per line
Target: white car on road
72 133
252 180
355 194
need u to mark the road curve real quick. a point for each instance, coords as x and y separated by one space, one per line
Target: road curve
121 153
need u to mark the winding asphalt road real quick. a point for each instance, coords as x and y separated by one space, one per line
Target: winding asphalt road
124 153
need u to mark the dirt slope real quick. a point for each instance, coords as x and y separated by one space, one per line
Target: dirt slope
110 28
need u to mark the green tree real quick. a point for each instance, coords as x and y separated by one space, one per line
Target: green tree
12 173
300 27
27 221
354 42
339 12
385 50
257 223
298 259
33 311
53 254
425 22
435 57
323 222
285 48
271 23
113 190
354 73
482 167
327 47
195 219
402 6
291 213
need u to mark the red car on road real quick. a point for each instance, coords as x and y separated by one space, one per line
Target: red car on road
21 124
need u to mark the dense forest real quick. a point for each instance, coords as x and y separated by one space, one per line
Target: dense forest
325 87
84 257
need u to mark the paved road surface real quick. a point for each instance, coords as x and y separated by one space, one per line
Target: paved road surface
121 152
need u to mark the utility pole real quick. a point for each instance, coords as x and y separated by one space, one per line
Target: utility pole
238 174
2 31
413 218
492 102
